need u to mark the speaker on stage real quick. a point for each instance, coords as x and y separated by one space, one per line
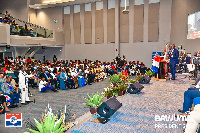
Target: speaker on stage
145 79
135 88
109 107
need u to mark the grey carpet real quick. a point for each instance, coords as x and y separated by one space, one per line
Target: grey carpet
137 114
72 97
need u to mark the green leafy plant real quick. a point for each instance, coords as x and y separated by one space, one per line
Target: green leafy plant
94 101
132 81
150 73
115 78
49 125
139 77
122 87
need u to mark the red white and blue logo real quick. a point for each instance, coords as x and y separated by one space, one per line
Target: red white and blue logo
13 120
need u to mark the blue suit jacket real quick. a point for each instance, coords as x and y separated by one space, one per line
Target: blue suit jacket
174 59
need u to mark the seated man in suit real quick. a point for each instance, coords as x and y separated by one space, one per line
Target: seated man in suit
189 95
7 89
69 82
43 85
48 77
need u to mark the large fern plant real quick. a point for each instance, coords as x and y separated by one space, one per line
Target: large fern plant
115 79
94 101
50 125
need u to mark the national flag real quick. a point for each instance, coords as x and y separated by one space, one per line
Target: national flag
166 49
155 65
13 120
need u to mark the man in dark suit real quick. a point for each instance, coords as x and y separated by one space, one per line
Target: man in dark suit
49 78
174 54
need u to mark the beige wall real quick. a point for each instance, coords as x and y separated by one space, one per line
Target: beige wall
77 28
111 25
45 18
179 24
32 16
67 30
99 36
141 51
88 27
4 34
103 52
17 8
124 26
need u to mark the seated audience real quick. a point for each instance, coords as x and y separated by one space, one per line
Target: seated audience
43 85
69 82
3 100
189 95
7 89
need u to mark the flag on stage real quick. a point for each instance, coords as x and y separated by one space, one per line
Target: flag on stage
166 49
155 65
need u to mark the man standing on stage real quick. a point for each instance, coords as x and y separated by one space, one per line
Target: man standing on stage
174 54
23 86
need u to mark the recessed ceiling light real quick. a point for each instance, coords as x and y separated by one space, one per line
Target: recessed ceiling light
38 7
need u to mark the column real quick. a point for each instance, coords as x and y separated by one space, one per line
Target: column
82 11
105 8
71 23
117 31
145 32
93 4
131 22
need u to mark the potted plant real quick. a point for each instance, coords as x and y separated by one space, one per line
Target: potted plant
139 77
49 125
94 102
132 81
122 89
150 73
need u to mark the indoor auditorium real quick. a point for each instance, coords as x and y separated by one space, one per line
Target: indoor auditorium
100 66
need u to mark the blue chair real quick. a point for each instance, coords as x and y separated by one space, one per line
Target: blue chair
79 82
83 81
196 101
12 74
62 84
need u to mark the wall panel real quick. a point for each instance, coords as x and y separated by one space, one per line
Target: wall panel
99 26
67 30
124 26
138 23
153 22
111 25
88 27
77 28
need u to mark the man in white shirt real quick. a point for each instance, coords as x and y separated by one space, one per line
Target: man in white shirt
43 85
23 86
74 73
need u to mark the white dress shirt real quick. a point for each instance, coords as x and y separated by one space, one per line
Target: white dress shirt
41 84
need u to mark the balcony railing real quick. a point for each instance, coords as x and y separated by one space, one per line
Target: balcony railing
28 29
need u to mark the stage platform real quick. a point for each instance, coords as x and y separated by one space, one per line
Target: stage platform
137 114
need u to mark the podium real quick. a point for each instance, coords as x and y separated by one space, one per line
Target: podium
162 70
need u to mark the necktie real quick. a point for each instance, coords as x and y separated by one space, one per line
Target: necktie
46 75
